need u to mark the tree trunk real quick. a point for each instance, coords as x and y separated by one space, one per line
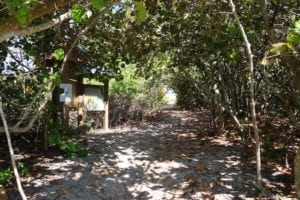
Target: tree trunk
12 154
252 96
80 101
106 105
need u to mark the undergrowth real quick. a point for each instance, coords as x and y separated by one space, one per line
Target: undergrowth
6 175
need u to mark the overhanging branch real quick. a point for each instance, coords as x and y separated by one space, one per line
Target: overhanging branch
35 29
12 24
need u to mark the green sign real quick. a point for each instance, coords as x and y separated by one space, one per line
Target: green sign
93 99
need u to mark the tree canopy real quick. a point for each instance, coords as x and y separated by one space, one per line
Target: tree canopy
231 58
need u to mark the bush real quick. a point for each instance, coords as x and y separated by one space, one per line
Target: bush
132 95
6 175
61 136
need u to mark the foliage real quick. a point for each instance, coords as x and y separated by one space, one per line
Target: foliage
190 46
282 48
99 4
137 89
200 40
194 47
80 14
133 94
61 136
59 54
6 175
23 170
294 33
17 94
140 13
21 9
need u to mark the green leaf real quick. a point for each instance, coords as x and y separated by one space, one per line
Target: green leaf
291 46
293 37
232 30
72 146
23 170
59 54
23 14
129 14
233 54
297 24
56 77
54 138
99 4
278 48
296 30
140 11
5 177
80 14
12 4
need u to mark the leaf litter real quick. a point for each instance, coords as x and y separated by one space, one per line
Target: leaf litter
169 158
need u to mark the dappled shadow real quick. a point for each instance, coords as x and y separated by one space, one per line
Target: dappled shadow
168 158
169 166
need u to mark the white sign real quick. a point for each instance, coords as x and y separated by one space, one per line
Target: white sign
67 95
93 99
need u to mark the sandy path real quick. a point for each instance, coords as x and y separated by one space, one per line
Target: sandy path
164 159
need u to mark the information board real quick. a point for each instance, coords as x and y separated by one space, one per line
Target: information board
67 95
93 99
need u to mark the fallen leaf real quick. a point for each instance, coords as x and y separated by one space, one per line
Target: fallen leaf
2 194
64 192
287 170
201 168
236 163
109 172
55 182
269 186
193 135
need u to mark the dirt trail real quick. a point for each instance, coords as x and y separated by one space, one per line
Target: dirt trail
167 158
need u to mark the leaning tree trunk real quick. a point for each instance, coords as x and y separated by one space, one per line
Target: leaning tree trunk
252 96
12 154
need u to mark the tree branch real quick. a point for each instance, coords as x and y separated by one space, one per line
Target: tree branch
11 23
34 29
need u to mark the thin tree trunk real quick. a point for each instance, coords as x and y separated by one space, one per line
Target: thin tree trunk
252 95
106 105
11 153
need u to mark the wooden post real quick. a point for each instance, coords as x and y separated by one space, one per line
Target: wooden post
106 104
66 117
80 100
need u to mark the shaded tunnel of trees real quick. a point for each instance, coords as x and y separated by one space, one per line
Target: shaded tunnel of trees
238 60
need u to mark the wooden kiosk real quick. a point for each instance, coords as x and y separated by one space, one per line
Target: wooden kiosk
83 94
